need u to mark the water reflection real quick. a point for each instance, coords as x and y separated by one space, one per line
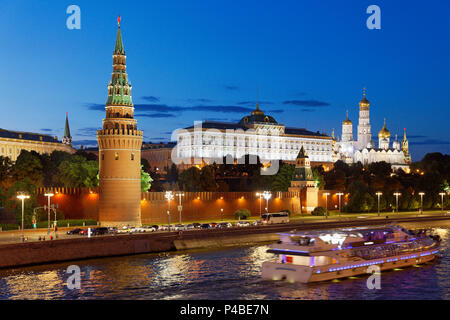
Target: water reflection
232 273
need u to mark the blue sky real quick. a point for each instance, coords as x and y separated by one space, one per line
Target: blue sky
197 60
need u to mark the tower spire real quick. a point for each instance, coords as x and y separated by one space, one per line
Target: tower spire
67 139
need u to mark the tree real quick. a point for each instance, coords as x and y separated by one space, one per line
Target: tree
77 172
189 180
172 173
282 180
145 180
318 176
243 214
5 170
28 165
208 179
25 185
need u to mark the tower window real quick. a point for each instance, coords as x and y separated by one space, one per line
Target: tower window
116 156
103 156
132 156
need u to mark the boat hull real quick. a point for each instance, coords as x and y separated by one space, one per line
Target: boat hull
304 274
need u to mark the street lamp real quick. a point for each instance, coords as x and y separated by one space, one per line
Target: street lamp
267 195
169 196
326 194
22 196
339 194
260 195
442 194
396 194
421 194
48 195
180 207
379 194
221 214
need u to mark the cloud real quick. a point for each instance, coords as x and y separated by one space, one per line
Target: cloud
95 106
85 143
221 108
155 115
200 100
47 130
307 103
231 88
432 142
253 103
87 132
275 111
150 98
415 137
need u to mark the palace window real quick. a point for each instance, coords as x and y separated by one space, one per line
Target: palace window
116 156
132 156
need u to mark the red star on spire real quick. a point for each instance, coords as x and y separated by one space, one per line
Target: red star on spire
118 21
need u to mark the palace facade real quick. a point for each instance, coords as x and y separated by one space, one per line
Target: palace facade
255 134
13 142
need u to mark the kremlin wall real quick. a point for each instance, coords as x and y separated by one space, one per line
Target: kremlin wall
84 203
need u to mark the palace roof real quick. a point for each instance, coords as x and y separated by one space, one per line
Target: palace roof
26 136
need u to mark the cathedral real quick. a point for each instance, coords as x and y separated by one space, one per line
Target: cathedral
364 150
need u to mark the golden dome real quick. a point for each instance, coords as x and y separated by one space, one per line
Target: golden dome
257 111
384 133
364 103
347 120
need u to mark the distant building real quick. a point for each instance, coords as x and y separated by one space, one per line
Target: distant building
13 142
158 155
255 134
364 149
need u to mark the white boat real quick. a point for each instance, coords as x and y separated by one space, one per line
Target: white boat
312 256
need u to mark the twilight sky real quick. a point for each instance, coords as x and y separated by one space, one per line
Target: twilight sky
197 60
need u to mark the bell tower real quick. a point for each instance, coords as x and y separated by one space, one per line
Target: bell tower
119 144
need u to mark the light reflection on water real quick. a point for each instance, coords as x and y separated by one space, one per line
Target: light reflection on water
232 273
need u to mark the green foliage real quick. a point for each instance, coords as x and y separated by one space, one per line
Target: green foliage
282 180
26 186
78 172
319 180
71 222
319 211
145 180
242 214
28 165
5 168
189 180
360 199
9 226
208 179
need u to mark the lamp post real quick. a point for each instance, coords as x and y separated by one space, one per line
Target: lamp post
421 194
23 196
267 195
221 214
379 194
48 195
339 194
260 195
442 194
326 194
396 194
169 196
180 207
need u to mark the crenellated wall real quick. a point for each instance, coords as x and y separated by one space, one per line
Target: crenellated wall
83 204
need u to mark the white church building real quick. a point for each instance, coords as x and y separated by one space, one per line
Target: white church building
364 150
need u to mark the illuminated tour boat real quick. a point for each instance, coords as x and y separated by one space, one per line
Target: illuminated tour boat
312 256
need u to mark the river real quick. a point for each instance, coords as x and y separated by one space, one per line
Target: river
230 273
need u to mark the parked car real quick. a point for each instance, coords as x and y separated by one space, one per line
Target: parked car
112 230
258 223
156 227
74 231
164 228
190 226
83 232
213 224
224 225
124 229
242 224
99 231
205 226
197 225
148 229
179 227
